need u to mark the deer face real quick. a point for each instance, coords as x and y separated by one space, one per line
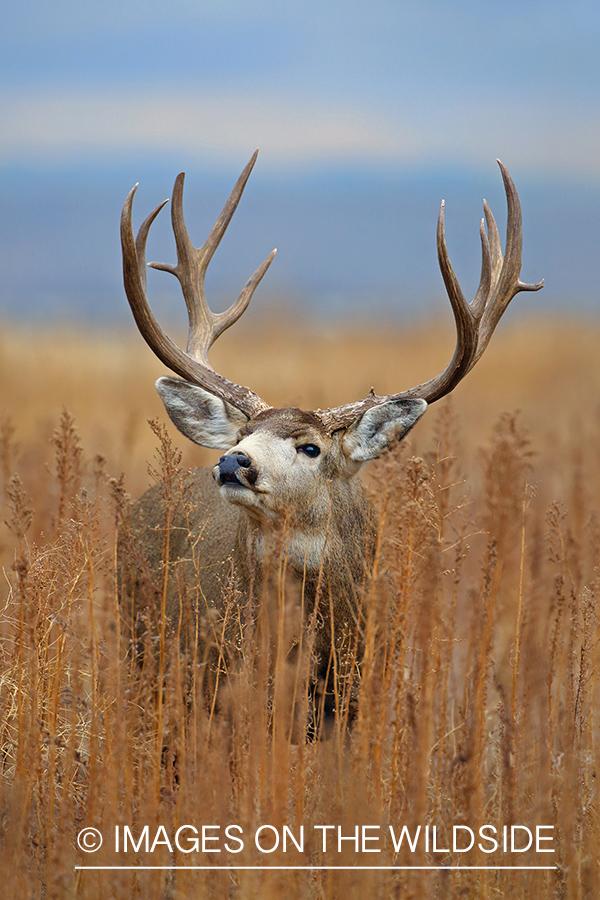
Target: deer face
284 463
277 465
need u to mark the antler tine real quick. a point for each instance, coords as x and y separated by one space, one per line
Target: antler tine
465 321
494 243
205 326
228 318
193 365
487 274
475 321
508 283
220 226
142 237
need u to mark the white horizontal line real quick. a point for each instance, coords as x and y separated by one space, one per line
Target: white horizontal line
324 868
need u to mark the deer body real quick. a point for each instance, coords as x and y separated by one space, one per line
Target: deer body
235 527
284 496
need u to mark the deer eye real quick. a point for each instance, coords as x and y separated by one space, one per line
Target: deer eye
310 449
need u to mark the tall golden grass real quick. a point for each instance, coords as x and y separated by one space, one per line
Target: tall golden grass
479 686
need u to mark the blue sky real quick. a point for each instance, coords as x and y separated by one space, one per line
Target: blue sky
382 90
385 81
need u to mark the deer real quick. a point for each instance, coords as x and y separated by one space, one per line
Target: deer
286 481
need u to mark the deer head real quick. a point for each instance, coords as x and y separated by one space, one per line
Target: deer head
276 457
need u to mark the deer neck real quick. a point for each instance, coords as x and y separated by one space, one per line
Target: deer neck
338 536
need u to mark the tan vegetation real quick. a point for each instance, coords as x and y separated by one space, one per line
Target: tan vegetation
480 684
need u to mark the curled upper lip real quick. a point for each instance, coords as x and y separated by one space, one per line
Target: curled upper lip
234 481
231 479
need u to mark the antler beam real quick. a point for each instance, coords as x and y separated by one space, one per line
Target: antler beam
475 322
205 326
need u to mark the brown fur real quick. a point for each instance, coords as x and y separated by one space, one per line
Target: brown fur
223 565
283 550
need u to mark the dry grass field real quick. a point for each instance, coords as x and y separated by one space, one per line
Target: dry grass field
480 685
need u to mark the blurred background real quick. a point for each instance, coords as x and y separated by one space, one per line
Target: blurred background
366 115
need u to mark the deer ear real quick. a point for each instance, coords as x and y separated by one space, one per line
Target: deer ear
200 416
380 427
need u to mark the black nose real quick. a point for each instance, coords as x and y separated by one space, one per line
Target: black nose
229 465
233 462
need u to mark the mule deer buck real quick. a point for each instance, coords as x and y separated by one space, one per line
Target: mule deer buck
287 477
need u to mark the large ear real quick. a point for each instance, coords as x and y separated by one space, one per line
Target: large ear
200 416
380 427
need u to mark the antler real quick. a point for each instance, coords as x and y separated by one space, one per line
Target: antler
205 326
475 321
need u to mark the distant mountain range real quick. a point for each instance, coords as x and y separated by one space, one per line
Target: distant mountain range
349 241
